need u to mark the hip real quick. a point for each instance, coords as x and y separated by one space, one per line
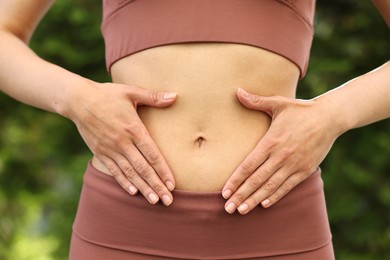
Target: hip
196 226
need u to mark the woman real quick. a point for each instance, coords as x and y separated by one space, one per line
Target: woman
204 135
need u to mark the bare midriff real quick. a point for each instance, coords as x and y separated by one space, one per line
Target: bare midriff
207 132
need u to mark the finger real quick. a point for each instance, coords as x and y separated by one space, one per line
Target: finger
152 98
254 159
267 189
131 173
116 172
285 188
251 185
151 153
269 105
151 186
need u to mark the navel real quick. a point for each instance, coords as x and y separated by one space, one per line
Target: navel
200 141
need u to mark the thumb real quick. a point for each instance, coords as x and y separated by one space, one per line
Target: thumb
152 98
269 105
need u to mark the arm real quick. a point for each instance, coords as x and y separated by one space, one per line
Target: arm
290 152
113 131
361 101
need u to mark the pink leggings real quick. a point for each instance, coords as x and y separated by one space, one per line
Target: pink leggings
111 224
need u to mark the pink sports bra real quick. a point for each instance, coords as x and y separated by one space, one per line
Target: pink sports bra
284 27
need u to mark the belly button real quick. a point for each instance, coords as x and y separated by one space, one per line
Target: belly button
200 141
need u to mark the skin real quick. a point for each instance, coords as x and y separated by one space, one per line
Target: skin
280 161
283 159
200 135
121 142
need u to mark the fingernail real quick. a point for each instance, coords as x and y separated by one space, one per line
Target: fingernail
169 95
167 200
243 208
248 96
243 92
153 198
230 208
132 190
226 194
170 185
265 202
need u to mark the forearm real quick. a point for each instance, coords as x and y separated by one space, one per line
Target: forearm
31 80
359 102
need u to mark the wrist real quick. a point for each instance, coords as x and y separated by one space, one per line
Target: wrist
73 96
335 117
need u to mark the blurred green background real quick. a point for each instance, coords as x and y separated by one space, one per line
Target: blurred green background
42 157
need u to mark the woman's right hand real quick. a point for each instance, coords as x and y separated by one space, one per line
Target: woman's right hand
106 117
105 114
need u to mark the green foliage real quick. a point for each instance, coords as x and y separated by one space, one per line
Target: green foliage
42 156
351 39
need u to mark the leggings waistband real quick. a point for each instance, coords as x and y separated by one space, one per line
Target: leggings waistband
196 224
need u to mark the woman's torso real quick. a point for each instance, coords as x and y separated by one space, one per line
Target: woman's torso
206 133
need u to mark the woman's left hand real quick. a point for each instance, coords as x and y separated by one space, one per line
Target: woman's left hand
300 136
